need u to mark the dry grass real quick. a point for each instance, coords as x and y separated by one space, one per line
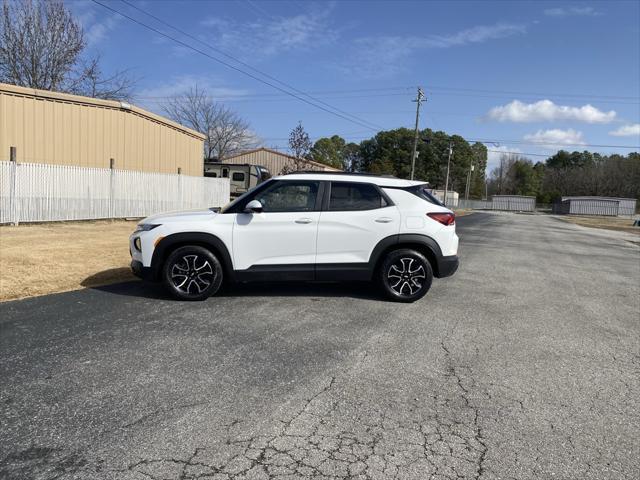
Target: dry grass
608 223
57 257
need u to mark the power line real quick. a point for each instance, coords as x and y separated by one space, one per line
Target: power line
549 94
280 147
373 126
155 30
519 153
380 89
524 142
331 96
407 89
505 142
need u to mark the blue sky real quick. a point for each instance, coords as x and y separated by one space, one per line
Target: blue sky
529 75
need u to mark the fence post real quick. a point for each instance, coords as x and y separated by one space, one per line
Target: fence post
180 202
111 165
13 187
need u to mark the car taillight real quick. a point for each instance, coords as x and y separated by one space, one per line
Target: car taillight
444 218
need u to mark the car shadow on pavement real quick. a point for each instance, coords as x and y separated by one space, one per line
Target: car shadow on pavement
137 288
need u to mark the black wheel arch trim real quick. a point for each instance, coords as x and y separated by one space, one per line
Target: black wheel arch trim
437 259
207 240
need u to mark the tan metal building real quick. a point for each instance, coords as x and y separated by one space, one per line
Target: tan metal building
274 161
62 129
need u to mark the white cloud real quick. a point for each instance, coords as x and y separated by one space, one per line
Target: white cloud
572 12
556 137
627 131
95 25
270 36
98 31
546 110
384 55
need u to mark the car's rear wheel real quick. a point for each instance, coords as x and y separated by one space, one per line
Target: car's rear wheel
405 275
192 273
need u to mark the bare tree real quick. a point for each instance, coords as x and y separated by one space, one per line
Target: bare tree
300 146
41 46
91 82
225 130
230 134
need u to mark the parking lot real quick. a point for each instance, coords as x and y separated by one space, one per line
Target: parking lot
525 364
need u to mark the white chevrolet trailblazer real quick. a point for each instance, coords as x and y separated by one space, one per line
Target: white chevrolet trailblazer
304 227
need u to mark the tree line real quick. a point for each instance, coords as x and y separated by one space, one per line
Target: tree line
562 174
567 174
389 153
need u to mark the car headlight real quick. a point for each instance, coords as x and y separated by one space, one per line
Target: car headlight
145 227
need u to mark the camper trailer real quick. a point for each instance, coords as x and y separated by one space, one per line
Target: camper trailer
242 178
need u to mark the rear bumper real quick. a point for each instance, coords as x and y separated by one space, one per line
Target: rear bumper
140 271
447 266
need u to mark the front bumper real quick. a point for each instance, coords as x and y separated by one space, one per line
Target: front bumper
447 266
140 271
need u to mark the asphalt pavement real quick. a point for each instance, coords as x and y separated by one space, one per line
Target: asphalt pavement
525 364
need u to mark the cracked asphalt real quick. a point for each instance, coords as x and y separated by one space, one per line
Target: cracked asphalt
523 365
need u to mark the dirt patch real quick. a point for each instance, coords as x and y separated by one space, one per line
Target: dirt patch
608 223
58 257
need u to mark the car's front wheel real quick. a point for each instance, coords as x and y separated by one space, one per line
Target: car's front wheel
192 273
405 275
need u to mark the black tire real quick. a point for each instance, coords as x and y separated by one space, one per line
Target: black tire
405 275
192 273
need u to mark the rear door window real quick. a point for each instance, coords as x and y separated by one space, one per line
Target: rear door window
355 196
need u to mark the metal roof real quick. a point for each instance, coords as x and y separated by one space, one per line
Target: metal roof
276 152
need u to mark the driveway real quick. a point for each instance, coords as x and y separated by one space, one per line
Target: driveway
525 364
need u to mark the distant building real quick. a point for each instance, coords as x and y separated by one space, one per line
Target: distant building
607 206
453 198
61 129
274 161
514 203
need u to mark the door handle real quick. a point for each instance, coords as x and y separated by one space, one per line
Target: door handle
384 220
304 220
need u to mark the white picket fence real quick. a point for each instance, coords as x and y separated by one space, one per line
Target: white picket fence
32 192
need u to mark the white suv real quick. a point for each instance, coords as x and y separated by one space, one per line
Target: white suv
304 227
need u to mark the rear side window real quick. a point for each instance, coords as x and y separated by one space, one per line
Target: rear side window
424 192
355 196
237 177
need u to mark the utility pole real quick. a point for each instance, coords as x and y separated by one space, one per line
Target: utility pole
466 190
419 99
446 183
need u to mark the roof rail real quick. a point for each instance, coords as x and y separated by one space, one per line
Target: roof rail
324 172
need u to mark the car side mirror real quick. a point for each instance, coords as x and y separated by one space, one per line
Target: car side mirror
254 206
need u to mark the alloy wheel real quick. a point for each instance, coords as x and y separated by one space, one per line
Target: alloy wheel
406 276
192 274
